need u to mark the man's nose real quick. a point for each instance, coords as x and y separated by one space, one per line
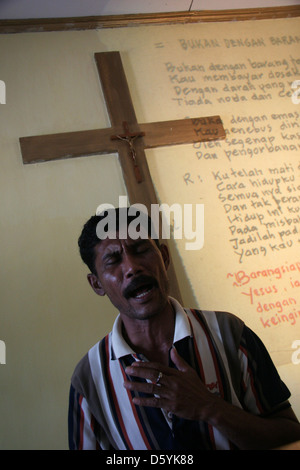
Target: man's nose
131 266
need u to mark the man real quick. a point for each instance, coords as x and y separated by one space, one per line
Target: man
168 377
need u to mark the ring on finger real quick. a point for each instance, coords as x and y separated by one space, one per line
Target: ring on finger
159 377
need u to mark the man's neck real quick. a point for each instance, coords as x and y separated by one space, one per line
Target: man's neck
154 337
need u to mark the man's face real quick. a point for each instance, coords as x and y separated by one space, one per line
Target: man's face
133 274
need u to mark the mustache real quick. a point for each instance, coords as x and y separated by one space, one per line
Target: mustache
138 282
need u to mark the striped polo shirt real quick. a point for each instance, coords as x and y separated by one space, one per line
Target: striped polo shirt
229 358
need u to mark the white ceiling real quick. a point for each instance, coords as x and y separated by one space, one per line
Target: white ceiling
21 9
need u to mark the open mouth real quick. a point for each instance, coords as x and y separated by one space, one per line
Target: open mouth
142 292
139 288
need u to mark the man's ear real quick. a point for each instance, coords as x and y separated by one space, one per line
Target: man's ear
165 255
95 284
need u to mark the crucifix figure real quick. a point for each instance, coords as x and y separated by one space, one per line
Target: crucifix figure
129 138
125 137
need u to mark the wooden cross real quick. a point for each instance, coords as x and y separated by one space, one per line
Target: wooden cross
114 140
125 136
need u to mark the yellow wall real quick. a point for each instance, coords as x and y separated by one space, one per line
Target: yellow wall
49 315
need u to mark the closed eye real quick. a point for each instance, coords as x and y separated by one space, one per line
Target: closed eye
142 247
111 258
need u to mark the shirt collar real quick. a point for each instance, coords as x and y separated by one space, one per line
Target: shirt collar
182 329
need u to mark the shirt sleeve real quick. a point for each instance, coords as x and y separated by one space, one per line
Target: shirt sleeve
263 391
80 423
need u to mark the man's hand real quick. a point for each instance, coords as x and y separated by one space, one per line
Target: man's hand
179 391
182 392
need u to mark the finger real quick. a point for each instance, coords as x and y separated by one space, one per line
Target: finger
143 372
179 361
155 366
149 388
154 402
149 365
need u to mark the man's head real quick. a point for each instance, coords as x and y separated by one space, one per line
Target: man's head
117 218
126 264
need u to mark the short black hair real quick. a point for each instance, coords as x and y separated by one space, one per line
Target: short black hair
89 238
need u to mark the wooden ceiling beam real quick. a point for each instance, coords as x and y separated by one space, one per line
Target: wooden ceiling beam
30 25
